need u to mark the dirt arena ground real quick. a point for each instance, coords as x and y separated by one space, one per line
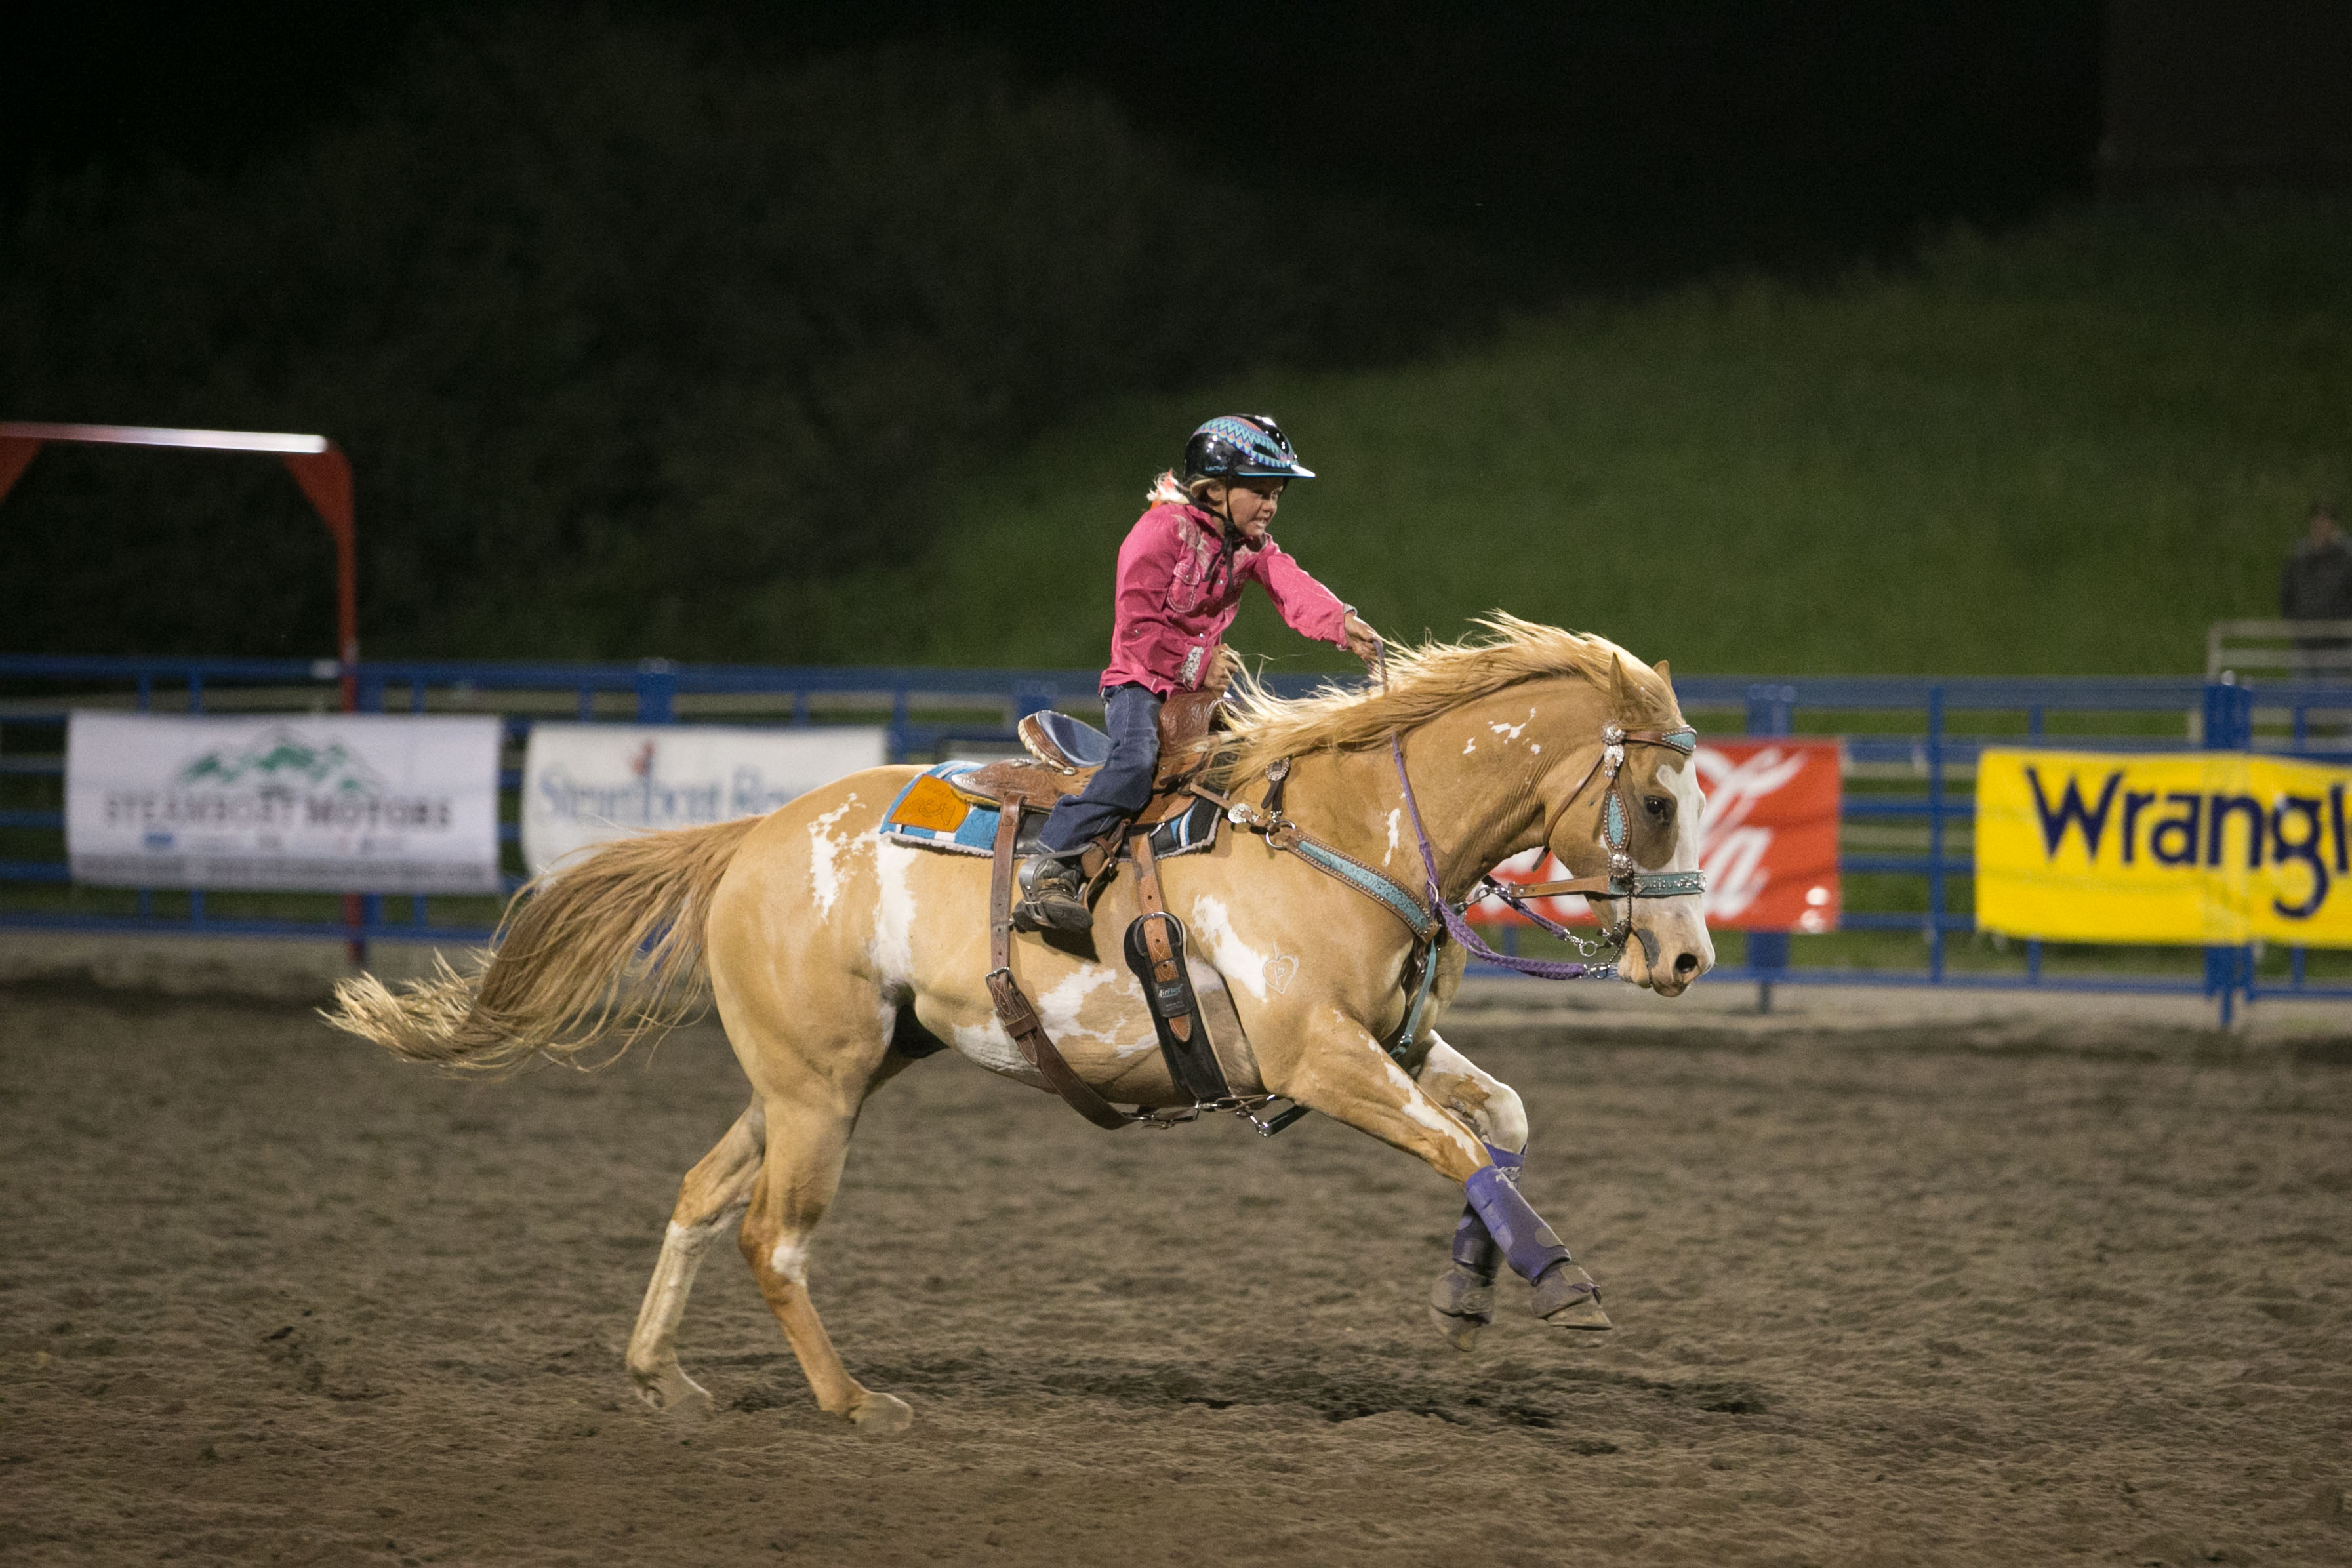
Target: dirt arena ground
268 1297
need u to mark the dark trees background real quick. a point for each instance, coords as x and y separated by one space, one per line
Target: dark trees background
636 347
657 329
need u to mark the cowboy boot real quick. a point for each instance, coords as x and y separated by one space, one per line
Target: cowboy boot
1052 895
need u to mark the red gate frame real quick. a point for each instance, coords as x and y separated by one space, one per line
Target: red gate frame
319 466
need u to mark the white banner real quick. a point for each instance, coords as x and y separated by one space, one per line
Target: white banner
585 783
325 802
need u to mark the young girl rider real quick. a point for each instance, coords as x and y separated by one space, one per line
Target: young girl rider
1180 574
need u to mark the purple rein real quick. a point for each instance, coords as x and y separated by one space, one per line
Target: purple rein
1541 969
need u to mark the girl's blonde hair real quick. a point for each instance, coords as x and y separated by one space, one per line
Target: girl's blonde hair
1170 491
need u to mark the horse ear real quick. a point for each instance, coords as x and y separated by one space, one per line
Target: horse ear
1624 696
1664 674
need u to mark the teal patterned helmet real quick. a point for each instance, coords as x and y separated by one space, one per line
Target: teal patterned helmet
1242 447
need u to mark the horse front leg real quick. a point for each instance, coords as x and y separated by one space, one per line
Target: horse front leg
1462 1301
1346 1075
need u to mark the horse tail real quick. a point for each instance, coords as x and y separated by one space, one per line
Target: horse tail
612 941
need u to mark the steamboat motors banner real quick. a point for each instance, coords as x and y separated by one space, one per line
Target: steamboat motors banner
326 802
2213 847
1770 844
585 783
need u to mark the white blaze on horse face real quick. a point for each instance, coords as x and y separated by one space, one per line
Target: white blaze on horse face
1241 964
1395 818
1679 779
1680 924
824 858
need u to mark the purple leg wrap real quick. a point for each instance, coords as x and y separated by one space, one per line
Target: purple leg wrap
1473 1251
1528 1243
1474 1248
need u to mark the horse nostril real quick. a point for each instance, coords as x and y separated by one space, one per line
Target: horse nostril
1685 963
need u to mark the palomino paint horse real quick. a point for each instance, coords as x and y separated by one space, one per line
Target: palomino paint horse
836 956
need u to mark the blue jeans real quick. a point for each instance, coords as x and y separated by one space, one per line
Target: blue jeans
1122 786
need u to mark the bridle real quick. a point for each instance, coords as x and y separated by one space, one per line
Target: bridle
1623 879
1433 917
1427 914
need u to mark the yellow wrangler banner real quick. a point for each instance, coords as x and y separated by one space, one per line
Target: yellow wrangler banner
2207 848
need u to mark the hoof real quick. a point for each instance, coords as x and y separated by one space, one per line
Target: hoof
1461 1304
881 1414
670 1392
1566 1298
1584 1315
1462 1333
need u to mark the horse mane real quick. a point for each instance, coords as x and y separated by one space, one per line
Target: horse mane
1426 681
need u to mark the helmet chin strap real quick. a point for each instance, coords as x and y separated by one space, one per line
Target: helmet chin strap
1236 536
1224 512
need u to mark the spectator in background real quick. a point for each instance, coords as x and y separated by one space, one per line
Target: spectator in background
2318 586
2318 583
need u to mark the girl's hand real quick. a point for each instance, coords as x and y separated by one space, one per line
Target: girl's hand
1363 641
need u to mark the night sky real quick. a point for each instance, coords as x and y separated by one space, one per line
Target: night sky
1578 141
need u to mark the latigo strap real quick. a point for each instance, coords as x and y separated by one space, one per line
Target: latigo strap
1013 1006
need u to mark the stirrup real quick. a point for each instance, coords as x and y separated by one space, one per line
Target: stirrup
1052 908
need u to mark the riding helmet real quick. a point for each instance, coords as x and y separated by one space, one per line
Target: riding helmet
1242 447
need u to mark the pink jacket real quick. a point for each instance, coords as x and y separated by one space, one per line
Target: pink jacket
1179 587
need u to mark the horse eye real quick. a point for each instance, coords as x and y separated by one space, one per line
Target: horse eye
1659 807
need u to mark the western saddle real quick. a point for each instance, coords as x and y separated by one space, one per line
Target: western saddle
1066 752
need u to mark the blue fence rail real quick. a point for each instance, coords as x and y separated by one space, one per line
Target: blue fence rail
925 710
1920 735
1957 719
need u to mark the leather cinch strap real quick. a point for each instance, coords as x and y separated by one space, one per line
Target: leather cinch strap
1012 1007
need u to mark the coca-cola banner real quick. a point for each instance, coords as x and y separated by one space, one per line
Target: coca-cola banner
1770 847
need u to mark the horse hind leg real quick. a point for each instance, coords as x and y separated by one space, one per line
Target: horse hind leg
712 1197
806 1146
1461 1301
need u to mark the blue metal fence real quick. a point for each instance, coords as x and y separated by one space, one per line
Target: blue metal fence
926 711
1912 745
1957 719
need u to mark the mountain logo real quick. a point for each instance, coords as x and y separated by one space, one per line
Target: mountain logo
285 757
